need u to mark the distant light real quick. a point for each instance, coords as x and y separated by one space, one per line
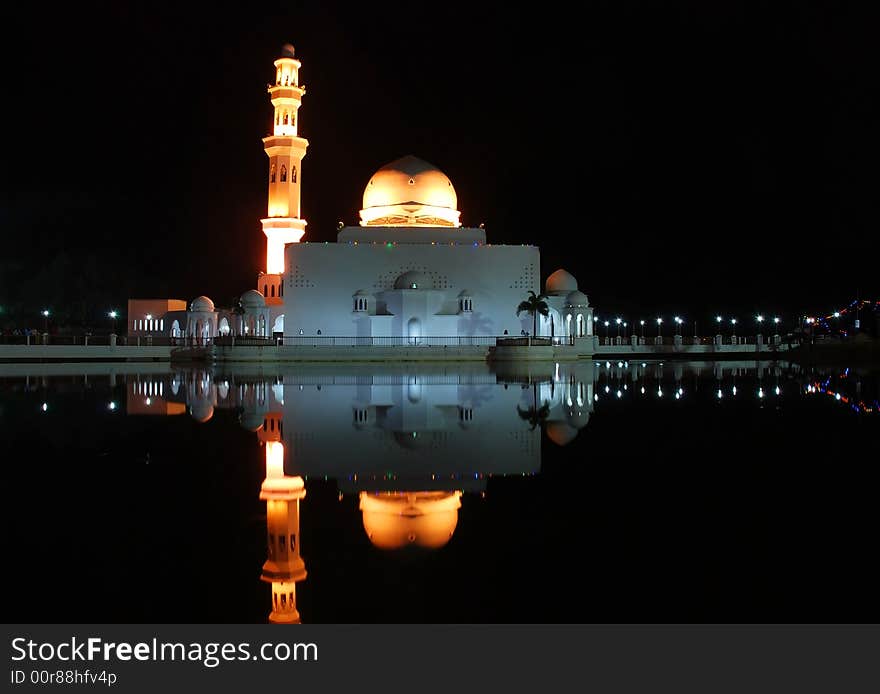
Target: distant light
606 324
678 396
45 407
619 364
619 394
718 318
659 321
837 396
149 316
113 314
618 321
607 389
641 322
733 321
45 312
659 392
734 390
759 318
778 390
149 401
719 394
837 314
776 320
760 392
111 406
643 390
388 245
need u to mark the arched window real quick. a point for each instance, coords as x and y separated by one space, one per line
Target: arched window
272 290
265 290
283 173
293 174
272 175
285 118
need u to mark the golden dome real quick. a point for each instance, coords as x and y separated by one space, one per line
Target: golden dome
394 520
410 192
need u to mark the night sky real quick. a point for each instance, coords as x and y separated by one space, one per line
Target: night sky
687 158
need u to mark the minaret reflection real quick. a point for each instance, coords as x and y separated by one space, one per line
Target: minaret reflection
284 567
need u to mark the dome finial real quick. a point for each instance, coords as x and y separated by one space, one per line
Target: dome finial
287 50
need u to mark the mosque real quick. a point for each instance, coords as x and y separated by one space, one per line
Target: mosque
408 274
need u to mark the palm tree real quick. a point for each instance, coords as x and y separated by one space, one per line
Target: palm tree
534 305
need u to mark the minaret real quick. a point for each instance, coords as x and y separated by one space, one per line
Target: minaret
285 150
284 567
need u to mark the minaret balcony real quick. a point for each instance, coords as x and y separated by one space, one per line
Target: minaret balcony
286 91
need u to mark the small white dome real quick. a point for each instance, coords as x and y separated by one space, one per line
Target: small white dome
577 299
362 292
413 280
465 292
561 282
252 299
201 303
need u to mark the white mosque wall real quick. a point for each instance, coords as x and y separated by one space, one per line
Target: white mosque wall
322 279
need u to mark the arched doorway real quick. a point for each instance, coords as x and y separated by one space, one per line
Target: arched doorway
278 326
414 331
224 326
175 329
580 328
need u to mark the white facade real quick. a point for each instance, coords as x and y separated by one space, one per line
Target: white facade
380 287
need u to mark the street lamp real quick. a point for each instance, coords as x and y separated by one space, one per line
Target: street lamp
624 330
45 314
618 321
113 315
760 320
642 323
678 322
606 332
659 323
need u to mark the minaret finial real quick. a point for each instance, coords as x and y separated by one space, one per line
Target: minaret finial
287 51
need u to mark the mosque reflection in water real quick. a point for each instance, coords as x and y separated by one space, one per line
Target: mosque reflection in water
410 441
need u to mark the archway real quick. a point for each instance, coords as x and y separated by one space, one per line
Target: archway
175 329
278 325
580 328
414 331
224 326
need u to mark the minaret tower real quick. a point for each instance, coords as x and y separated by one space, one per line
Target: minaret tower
285 150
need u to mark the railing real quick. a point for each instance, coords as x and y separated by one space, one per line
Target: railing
528 341
381 341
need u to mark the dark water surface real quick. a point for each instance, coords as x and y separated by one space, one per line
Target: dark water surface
588 492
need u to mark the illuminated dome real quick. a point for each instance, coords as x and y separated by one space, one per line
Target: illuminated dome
394 520
413 280
201 303
561 282
410 192
252 299
577 299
